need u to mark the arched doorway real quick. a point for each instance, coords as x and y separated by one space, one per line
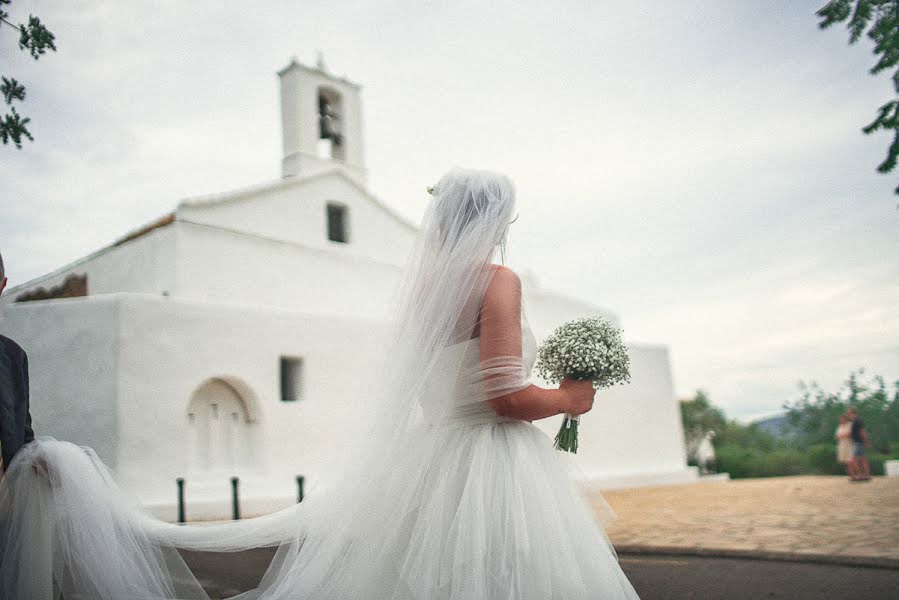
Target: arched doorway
218 421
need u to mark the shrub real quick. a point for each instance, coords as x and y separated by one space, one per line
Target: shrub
781 462
739 461
894 451
877 460
822 459
742 462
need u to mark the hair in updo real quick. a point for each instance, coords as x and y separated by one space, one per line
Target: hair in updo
473 202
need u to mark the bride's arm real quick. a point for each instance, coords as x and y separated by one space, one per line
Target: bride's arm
500 330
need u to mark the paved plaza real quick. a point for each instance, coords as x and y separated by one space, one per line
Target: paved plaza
806 517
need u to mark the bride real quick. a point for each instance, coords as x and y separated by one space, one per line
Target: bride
445 490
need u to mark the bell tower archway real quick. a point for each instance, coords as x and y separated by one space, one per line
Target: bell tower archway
321 122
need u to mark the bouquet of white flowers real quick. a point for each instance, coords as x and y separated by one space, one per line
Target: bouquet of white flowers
589 348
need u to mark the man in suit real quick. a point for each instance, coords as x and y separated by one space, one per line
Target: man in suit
859 467
15 418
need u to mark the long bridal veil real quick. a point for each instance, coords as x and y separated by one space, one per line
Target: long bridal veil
67 528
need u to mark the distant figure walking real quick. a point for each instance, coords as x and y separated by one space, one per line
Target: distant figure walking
705 454
859 467
843 435
15 418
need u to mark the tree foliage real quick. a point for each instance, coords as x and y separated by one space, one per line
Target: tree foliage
36 39
815 414
880 18
699 416
740 449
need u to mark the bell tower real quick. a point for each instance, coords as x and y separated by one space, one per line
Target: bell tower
321 121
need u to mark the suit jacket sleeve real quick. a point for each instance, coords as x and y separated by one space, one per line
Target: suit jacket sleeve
29 432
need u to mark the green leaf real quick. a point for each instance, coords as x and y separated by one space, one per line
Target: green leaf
13 128
860 19
12 90
882 16
36 38
835 11
889 162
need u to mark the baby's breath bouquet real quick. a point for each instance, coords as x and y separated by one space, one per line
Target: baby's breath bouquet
588 348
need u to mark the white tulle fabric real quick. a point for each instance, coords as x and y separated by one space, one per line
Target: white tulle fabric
434 497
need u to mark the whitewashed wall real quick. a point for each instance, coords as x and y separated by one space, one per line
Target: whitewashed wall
221 266
170 348
545 310
73 350
634 434
118 373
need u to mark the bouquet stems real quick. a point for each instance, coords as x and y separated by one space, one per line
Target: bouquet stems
566 439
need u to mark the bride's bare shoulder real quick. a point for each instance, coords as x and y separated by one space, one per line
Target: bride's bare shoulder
505 285
504 272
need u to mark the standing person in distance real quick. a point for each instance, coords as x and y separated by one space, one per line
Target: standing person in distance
860 468
843 435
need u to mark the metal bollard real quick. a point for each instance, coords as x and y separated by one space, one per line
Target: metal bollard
235 501
180 482
300 479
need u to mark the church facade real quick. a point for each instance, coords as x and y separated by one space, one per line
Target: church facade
230 337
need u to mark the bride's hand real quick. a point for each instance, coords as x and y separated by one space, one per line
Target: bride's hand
578 395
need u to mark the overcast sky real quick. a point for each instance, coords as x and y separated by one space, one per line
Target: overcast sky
697 167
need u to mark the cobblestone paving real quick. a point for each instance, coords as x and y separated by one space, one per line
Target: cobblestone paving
795 515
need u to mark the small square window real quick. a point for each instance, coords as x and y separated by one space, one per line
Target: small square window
337 226
291 379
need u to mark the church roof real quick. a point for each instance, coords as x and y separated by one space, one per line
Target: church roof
144 230
317 70
248 192
244 193
212 200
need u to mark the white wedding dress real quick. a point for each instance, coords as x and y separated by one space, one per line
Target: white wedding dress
437 498
493 512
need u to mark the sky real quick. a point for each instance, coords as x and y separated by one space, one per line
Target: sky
696 167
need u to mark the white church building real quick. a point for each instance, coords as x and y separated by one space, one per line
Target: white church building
228 337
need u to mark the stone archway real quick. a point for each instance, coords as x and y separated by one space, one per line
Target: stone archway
218 422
